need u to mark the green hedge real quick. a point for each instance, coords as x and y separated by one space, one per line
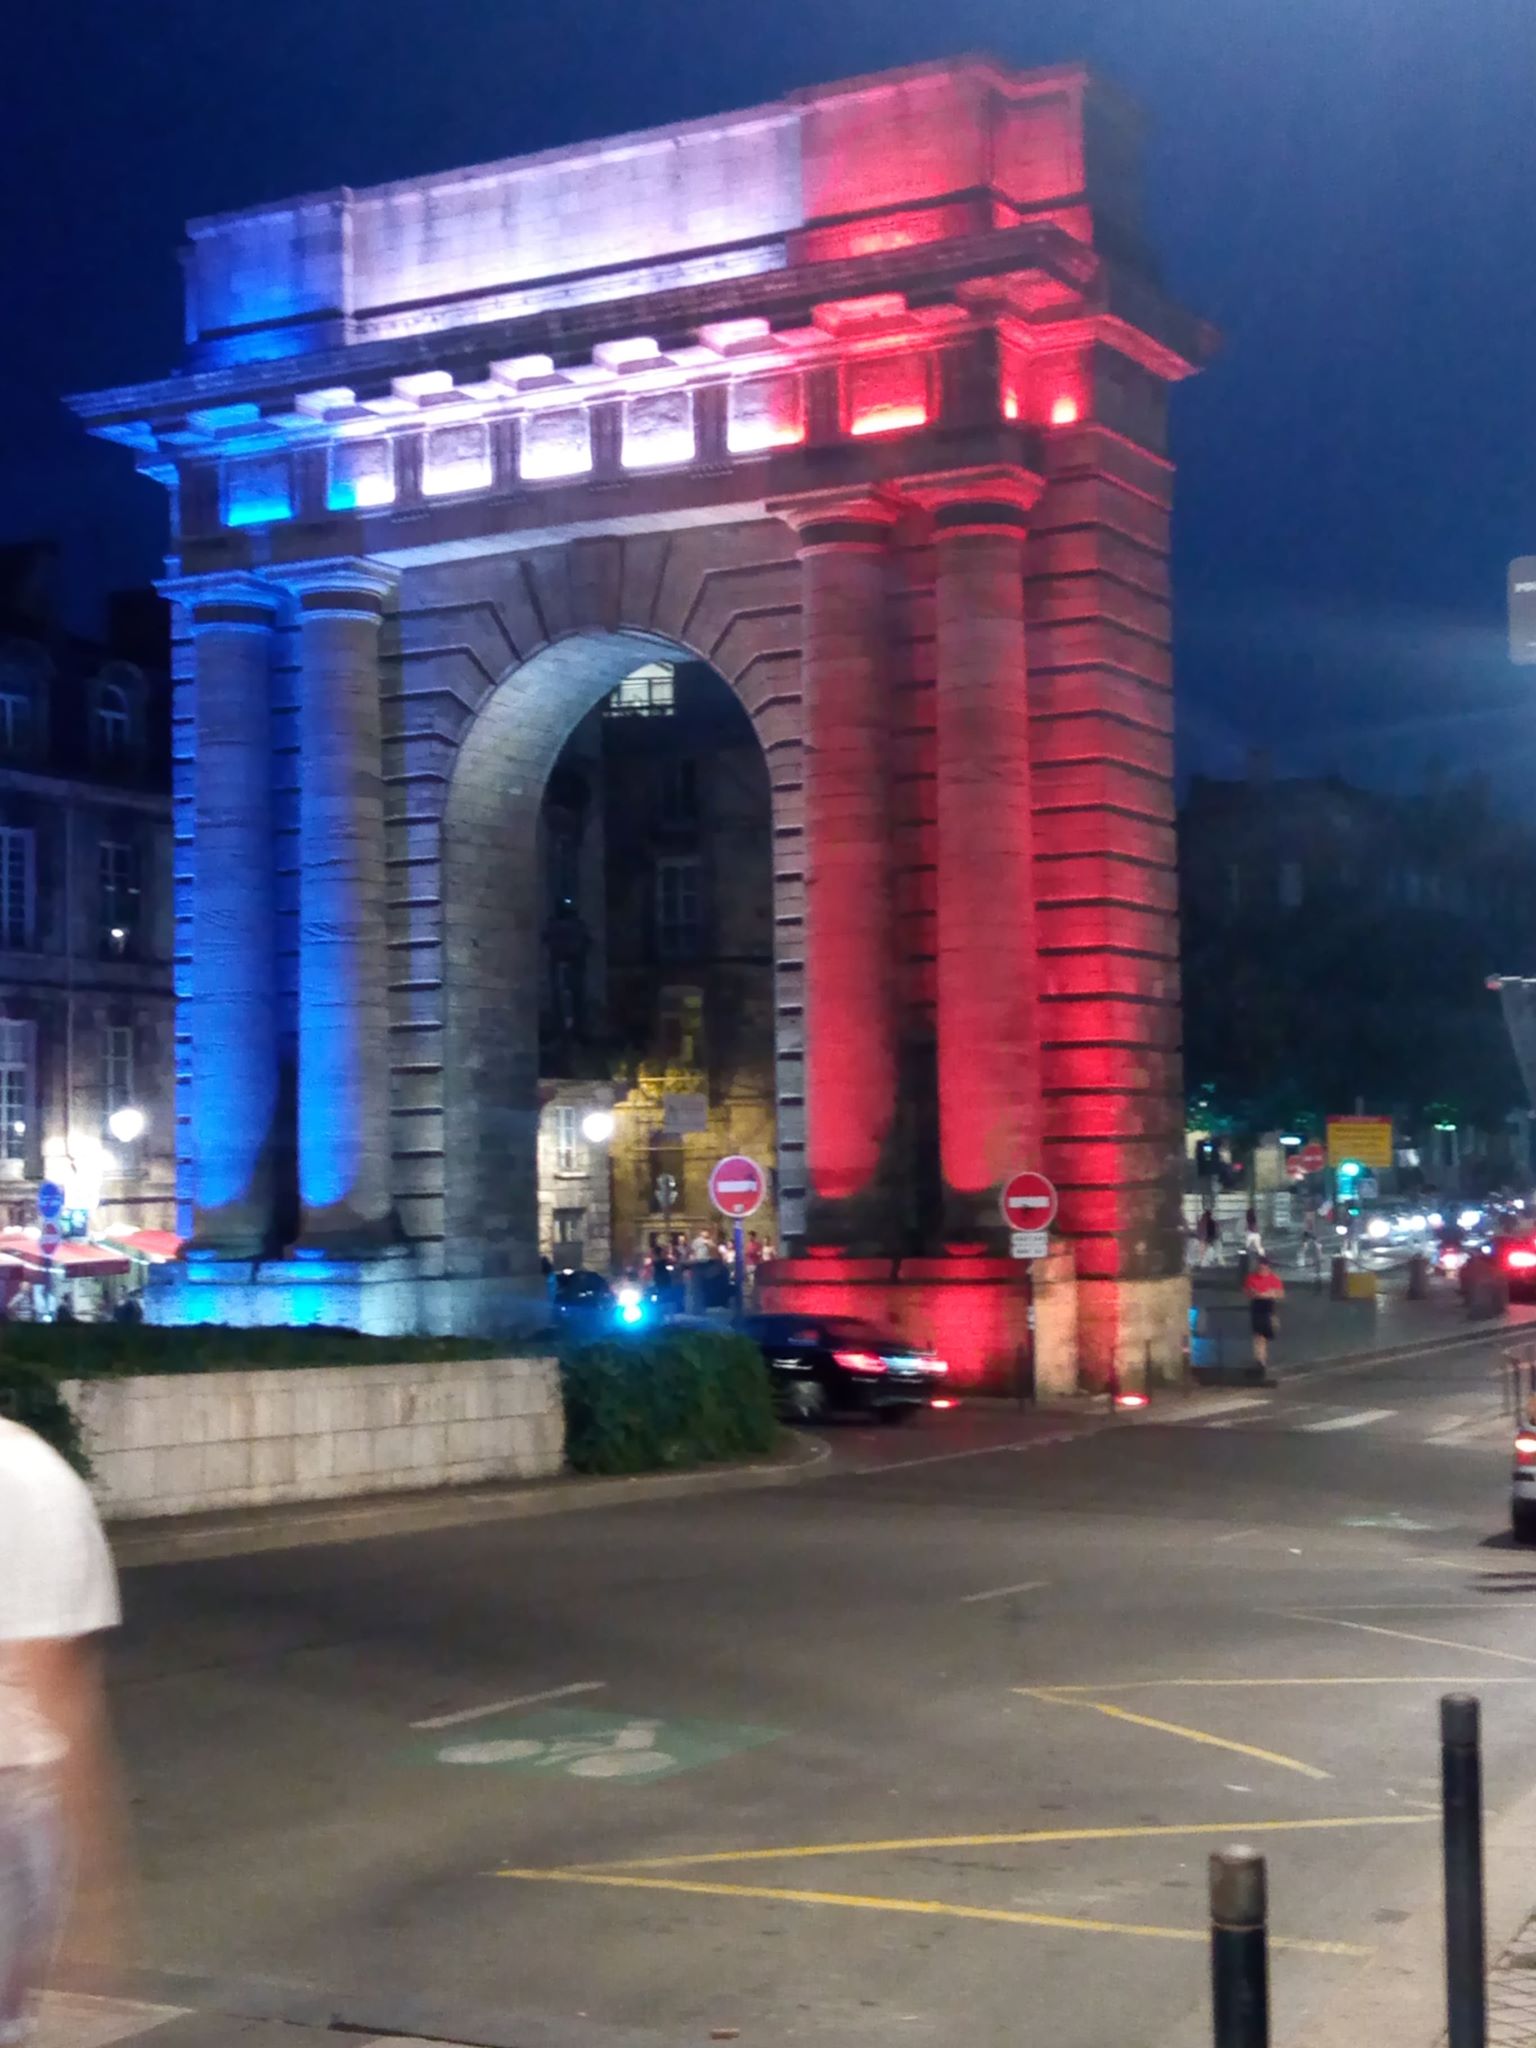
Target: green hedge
29 1393
678 1397
86 1351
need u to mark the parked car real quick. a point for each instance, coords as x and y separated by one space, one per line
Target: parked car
582 1303
824 1365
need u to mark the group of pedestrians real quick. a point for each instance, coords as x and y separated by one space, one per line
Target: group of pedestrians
1262 1285
699 1271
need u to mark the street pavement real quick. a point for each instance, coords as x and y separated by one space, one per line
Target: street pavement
930 1746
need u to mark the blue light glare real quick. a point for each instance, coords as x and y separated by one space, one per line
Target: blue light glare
256 511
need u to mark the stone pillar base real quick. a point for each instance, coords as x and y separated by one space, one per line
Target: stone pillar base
374 1296
1132 1333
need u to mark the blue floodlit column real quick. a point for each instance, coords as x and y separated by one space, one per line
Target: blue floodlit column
344 1143
230 1009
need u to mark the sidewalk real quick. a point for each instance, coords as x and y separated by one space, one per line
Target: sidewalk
1316 1330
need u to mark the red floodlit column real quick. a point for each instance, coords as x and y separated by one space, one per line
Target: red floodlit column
850 996
987 968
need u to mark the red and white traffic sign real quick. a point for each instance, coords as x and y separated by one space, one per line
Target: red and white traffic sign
737 1186
1311 1158
1029 1202
49 1237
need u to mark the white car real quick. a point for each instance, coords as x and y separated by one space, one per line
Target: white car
1522 1486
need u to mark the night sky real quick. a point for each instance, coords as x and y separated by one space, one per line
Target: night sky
1346 187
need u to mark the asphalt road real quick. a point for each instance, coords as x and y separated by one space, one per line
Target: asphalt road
929 1748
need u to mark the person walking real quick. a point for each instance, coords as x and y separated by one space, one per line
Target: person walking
58 1803
1210 1238
1265 1290
1310 1252
753 1251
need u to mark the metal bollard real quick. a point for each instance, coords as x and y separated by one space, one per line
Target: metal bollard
1239 1958
1418 1278
1461 1793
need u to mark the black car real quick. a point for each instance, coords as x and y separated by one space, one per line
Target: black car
825 1365
581 1303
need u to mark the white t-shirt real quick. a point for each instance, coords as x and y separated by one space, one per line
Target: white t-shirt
56 1579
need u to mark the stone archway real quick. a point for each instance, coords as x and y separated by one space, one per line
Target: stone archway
436 438
496 662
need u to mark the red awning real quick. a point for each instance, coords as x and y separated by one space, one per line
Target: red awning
73 1260
150 1244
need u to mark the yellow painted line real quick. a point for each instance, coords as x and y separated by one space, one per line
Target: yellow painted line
1374 1628
940 1908
1217 1684
1263 1756
1025 1838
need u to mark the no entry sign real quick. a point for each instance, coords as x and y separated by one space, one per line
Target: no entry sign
1029 1202
737 1186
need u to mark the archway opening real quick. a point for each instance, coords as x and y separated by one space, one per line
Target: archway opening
609 931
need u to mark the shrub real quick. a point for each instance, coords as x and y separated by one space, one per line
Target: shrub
86 1351
675 1397
29 1393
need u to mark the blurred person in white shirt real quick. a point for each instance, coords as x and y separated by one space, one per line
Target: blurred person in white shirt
58 1804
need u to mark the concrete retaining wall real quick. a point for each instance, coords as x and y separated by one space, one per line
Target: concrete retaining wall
180 1444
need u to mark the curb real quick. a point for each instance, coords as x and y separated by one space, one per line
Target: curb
320 1522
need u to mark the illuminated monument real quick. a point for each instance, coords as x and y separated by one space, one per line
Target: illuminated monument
860 396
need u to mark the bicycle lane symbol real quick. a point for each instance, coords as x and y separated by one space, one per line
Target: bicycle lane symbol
630 1752
577 1743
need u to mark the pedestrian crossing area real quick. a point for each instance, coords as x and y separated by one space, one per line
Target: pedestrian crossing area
1468 1427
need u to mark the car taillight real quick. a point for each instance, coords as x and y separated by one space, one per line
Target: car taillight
859 1361
1520 1260
1525 1450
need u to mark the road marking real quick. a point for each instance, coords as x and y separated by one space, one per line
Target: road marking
1077 1433
856 1902
1025 1838
1371 1628
1214 1684
1265 1756
1207 1415
1358 1420
526 1699
1002 1592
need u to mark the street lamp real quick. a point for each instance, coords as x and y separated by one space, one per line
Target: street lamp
126 1124
597 1126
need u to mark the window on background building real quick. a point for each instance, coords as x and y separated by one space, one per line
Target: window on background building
18 888
1292 885
679 792
16 1041
569 1226
565 1125
117 1066
649 691
679 908
680 1026
117 872
113 726
15 721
